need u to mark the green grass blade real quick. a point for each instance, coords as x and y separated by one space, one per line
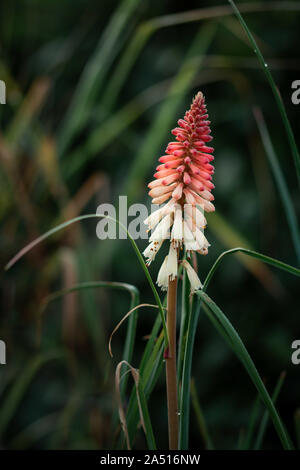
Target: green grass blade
184 321
125 64
221 11
147 421
264 421
200 418
107 130
280 181
130 337
274 89
150 381
230 237
94 74
28 437
104 132
254 254
184 398
149 375
27 112
132 322
153 365
148 28
10 404
188 353
66 417
245 444
54 230
134 293
213 311
150 343
149 368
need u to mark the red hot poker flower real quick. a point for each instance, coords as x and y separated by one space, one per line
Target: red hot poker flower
183 180
186 171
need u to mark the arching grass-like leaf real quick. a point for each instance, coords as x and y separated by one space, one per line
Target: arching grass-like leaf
142 406
131 328
43 237
264 421
94 73
278 99
10 404
254 254
191 332
228 332
280 181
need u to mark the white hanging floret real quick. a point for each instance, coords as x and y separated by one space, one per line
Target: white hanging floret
172 263
177 229
163 278
193 277
151 251
162 231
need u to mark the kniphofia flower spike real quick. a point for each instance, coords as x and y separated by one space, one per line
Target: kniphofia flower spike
183 183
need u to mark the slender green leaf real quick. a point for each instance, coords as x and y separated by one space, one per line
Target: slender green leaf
150 343
149 370
130 336
131 328
184 398
147 421
280 181
230 237
10 404
200 418
184 321
148 28
54 230
278 99
186 307
94 73
107 130
264 421
28 437
254 254
93 285
213 311
188 354
142 407
245 443
125 64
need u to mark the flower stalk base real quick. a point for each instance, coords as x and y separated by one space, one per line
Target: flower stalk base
170 358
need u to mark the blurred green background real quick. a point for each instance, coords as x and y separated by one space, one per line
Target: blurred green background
93 90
